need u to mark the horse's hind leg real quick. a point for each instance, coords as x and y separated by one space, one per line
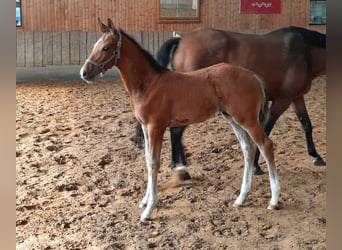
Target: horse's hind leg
304 119
138 138
178 159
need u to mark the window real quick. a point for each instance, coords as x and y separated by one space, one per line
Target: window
178 10
318 12
18 13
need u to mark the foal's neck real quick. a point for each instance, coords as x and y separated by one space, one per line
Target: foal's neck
135 68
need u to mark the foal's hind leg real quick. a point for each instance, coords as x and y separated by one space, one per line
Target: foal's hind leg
277 108
248 149
265 146
304 119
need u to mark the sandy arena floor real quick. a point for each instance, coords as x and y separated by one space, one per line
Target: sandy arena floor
80 180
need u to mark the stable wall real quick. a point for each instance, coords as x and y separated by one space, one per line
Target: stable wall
62 32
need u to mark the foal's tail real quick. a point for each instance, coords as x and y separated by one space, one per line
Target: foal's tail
264 110
166 51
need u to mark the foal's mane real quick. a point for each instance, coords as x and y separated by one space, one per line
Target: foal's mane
155 65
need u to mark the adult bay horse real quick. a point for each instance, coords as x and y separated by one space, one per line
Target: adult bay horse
288 59
161 98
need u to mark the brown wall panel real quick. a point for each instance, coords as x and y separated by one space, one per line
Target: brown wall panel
62 32
142 15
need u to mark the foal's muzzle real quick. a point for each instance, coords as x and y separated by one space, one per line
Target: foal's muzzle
89 72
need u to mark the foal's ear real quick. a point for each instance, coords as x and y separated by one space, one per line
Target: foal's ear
103 27
110 24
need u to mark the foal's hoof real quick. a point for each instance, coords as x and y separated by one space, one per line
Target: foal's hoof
144 218
142 205
181 173
273 207
258 171
236 205
318 161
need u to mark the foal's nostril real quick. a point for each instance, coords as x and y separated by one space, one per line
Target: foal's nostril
84 73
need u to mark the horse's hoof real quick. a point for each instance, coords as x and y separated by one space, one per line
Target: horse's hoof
258 171
138 144
318 161
143 219
142 205
182 174
272 207
236 205
146 215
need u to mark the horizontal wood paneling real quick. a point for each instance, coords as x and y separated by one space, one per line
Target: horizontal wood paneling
142 15
62 32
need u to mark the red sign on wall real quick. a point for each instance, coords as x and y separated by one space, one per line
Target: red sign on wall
260 7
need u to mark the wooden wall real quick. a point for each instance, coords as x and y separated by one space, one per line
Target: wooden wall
62 32
38 49
142 15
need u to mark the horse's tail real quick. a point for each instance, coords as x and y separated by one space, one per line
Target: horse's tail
166 51
264 110
311 37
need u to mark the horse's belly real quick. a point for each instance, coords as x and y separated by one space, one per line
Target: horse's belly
189 116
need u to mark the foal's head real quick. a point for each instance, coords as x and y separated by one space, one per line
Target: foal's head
105 53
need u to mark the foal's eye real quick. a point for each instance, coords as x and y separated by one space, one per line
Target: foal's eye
105 48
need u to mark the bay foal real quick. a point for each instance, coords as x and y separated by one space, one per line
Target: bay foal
160 98
288 59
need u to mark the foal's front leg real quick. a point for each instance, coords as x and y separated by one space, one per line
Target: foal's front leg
153 142
147 160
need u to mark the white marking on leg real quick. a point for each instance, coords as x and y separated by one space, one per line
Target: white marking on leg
248 149
274 179
179 168
152 191
275 186
147 159
151 198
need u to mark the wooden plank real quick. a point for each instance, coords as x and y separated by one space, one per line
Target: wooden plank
47 48
75 47
150 42
21 49
144 42
66 48
29 49
83 47
56 48
51 17
136 35
91 40
157 42
38 49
